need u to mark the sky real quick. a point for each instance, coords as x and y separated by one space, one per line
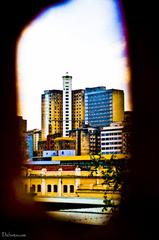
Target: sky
82 37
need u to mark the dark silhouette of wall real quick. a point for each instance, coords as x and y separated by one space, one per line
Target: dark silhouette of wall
139 209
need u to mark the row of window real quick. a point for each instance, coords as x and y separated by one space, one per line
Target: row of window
50 188
111 148
111 143
111 138
111 152
111 134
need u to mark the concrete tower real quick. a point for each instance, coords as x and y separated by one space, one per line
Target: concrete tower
67 104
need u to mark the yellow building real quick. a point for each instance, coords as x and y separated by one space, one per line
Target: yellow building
67 176
52 112
65 143
87 140
117 105
77 108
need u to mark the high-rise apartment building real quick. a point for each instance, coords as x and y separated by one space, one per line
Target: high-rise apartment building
52 112
102 106
112 139
77 108
67 104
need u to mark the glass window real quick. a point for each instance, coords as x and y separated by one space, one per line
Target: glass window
49 188
71 189
65 188
39 188
55 188
32 189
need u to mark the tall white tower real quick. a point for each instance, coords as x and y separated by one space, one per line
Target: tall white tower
67 104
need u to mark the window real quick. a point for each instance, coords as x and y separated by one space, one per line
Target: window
39 188
71 189
55 188
65 188
49 188
32 189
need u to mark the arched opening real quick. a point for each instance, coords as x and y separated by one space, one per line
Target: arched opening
139 213
92 105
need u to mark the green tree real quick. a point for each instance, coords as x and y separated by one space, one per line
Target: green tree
112 171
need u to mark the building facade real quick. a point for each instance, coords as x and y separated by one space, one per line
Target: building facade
22 125
112 139
51 112
78 108
64 143
30 144
67 104
22 129
87 140
48 144
33 137
62 176
102 106
127 132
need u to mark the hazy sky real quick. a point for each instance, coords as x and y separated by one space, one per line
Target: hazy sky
82 37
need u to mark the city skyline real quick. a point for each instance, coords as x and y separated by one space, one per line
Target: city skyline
92 48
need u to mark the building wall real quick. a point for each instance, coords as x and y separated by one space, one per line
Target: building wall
51 109
22 125
33 137
36 139
95 106
42 146
102 106
30 145
118 106
65 143
22 128
87 140
68 184
67 104
127 132
84 142
45 114
112 139
77 108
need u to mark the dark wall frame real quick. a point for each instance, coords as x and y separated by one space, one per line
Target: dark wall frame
138 213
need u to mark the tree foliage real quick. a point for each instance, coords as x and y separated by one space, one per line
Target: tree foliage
111 171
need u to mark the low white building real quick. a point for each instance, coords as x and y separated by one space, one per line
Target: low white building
49 153
112 139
